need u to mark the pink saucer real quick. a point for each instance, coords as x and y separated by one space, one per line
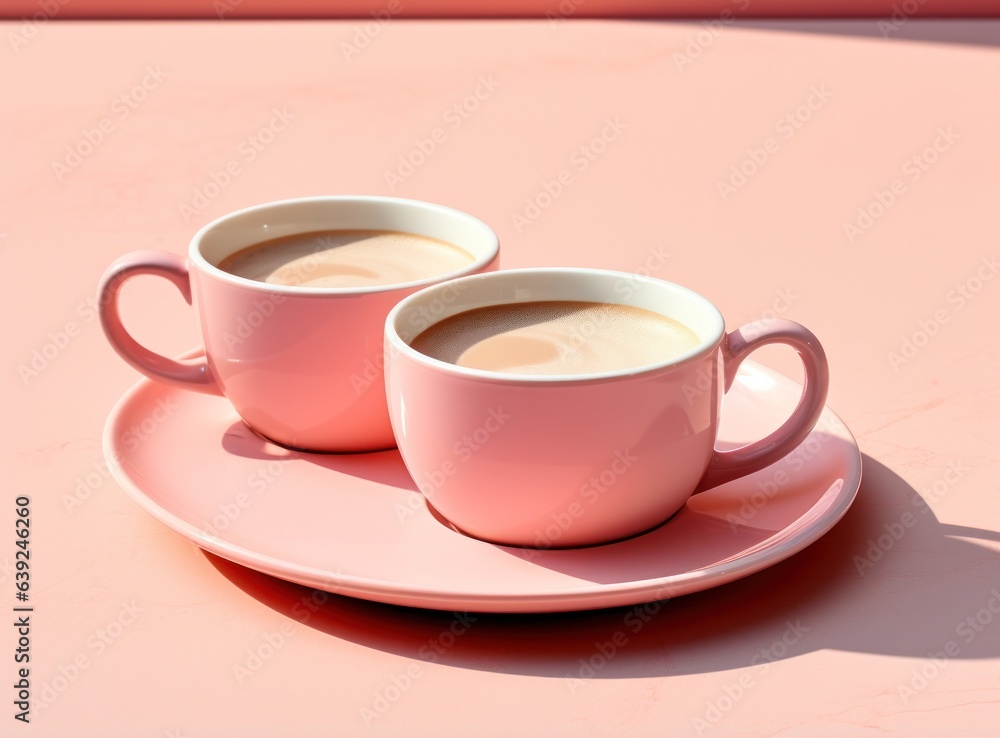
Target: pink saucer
355 524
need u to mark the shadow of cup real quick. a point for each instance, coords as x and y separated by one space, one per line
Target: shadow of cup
889 579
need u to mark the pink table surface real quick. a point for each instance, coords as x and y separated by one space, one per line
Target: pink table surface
136 632
230 9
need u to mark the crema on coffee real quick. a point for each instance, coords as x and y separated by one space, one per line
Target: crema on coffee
556 338
346 258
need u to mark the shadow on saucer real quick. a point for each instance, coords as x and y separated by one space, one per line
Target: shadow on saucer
888 579
382 467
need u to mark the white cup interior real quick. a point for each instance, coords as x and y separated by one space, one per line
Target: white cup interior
229 234
431 305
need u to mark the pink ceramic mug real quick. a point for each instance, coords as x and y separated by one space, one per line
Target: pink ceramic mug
301 365
559 461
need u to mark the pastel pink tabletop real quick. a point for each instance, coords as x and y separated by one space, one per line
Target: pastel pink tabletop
842 175
230 9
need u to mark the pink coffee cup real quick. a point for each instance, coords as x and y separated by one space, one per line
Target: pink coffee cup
561 461
303 366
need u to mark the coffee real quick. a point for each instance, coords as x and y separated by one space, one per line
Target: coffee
346 258
556 338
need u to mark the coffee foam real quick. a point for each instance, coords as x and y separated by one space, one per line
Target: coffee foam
346 258
556 338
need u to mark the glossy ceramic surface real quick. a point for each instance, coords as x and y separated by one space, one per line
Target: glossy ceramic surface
559 461
651 201
301 365
357 525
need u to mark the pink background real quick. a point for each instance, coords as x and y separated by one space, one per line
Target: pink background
692 108
496 8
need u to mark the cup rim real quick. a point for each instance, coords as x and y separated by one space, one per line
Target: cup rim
203 265
705 346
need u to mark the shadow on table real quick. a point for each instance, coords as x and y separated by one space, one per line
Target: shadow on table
888 579
963 31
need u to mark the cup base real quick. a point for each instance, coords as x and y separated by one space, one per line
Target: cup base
436 514
299 449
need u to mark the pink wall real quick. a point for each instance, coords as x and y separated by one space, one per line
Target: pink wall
68 9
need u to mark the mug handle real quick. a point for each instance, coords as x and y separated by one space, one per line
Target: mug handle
196 375
736 346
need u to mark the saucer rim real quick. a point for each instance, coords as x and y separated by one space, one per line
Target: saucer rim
563 599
